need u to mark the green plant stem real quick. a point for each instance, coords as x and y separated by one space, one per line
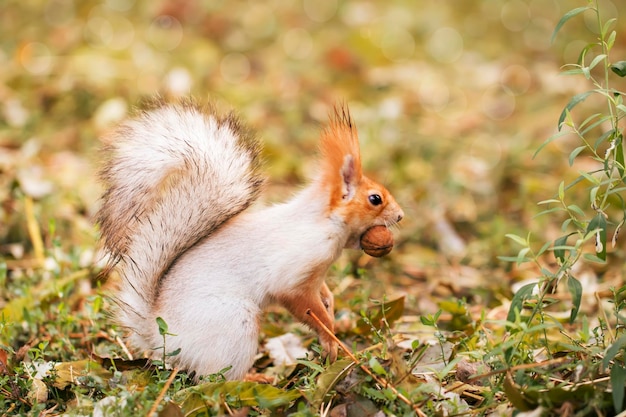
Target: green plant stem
607 63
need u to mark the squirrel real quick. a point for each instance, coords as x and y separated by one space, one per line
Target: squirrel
176 223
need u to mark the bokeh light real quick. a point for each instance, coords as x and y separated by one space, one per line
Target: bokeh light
572 49
259 21
119 5
434 95
178 81
104 29
547 9
14 113
498 103
516 78
445 45
487 149
297 43
457 105
397 44
358 13
515 15
110 112
235 67
59 12
320 10
36 58
609 11
538 34
165 33
98 30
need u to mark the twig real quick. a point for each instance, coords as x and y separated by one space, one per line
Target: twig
162 393
606 319
518 367
120 342
34 230
364 368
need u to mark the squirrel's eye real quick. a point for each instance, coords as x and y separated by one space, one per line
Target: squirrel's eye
375 199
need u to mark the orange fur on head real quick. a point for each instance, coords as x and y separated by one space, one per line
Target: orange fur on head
341 164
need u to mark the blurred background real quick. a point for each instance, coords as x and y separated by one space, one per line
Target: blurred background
451 98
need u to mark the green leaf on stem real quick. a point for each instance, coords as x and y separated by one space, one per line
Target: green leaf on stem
618 381
619 154
560 247
611 40
162 326
583 55
561 192
576 291
599 223
613 350
567 16
619 68
572 103
517 239
607 25
517 303
575 153
597 60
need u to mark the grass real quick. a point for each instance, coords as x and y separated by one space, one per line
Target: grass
458 320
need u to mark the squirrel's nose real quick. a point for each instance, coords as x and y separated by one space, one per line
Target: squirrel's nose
400 216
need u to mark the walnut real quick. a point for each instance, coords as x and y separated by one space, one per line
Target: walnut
377 241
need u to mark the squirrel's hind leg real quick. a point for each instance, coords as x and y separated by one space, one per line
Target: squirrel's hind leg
215 337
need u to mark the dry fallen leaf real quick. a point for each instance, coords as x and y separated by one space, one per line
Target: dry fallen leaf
285 349
38 392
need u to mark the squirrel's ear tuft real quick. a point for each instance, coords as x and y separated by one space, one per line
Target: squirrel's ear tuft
341 157
340 139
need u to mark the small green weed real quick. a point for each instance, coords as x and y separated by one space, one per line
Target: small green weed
532 322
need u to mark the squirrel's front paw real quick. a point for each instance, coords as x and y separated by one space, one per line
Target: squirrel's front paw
330 348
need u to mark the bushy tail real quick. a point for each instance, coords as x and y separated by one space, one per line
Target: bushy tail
172 176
